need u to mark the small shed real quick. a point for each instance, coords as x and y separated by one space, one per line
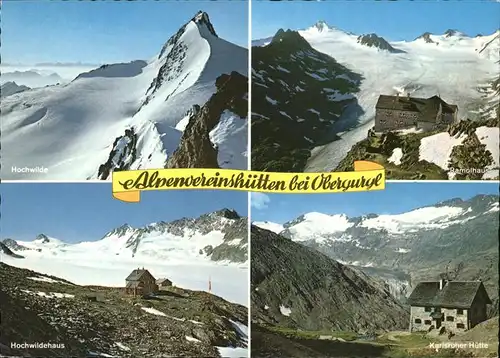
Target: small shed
163 283
140 282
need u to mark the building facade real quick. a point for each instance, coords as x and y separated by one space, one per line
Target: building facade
163 283
448 306
393 113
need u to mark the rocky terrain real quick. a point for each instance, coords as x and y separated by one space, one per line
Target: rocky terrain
230 99
177 109
471 153
83 321
293 286
298 93
372 40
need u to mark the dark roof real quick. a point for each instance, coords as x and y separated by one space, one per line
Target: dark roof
428 107
455 294
163 280
137 274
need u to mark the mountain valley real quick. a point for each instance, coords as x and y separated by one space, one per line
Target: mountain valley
335 112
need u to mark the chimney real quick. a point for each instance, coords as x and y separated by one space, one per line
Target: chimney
408 95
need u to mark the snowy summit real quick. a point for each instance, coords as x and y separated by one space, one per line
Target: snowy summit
132 115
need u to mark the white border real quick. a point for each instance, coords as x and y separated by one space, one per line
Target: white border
249 166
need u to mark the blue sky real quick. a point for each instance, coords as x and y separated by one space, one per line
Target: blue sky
107 31
394 20
86 212
396 198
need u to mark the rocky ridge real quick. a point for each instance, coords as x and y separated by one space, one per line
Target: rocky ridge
196 149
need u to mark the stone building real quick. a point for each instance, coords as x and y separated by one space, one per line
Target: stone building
449 306
399 112
140 282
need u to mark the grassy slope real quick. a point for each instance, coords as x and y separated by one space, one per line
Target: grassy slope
281 342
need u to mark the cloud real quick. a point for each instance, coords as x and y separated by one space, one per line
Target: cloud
260 201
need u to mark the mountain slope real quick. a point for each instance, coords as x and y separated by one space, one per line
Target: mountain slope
297 94
296 287
372 40
219 127
457 238
467 150
88 321
120 116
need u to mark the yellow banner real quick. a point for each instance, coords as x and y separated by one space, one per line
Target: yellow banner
366 176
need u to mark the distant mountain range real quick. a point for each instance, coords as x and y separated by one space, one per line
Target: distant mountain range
300 288
217 236
456 237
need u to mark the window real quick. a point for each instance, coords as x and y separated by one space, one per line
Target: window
460 311
460 325
428 309
450 318
418 320
427 321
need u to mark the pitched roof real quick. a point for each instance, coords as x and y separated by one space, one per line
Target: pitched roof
136 274
455 294
428 107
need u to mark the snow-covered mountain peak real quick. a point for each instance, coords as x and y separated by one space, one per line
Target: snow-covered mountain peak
42 239
9 88
321 26
120 231
291 39
317 226
226 213
320 227
215 236
203 28
453 32
269 225
426 37
203 21
42 242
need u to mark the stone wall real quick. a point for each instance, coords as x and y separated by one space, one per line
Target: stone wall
389 120
455 321
420 320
